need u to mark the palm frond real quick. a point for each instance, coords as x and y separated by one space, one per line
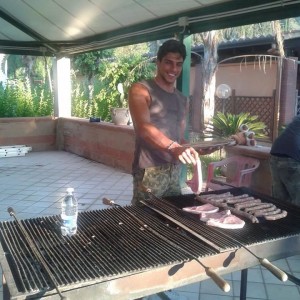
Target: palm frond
228 124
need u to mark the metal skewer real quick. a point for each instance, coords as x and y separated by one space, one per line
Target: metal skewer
35 250
209 271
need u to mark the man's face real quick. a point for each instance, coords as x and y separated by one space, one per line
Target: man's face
170 67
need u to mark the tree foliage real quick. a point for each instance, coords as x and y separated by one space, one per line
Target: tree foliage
19 100
127 65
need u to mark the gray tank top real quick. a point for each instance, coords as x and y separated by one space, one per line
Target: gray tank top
166 113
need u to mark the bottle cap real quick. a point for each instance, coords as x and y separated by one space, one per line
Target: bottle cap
70 190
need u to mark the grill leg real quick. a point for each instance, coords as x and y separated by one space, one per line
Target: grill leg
243 291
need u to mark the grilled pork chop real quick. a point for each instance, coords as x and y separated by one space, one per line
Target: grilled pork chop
227 221
205 208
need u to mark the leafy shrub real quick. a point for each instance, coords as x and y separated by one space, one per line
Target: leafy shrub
19 100
228 124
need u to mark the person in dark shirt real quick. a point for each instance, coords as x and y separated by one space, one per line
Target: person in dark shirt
285 164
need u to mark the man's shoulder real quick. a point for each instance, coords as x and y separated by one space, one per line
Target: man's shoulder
181 95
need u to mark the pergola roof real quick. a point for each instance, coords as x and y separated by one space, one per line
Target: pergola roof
67 27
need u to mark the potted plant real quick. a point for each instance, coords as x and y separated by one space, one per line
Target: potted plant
120 115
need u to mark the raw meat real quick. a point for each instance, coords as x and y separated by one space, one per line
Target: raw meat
281 215
225 206
251 203
196 182
252 209
217 215
228 221
207 208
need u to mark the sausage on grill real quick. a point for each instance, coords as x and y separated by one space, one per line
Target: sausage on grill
267 211
251 203
259 207
234 200
281 215
235 211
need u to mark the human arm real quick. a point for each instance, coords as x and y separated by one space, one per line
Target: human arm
139 103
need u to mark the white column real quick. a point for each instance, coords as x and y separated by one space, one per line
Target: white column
3 75
62 87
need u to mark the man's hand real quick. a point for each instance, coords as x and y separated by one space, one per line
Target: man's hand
187 155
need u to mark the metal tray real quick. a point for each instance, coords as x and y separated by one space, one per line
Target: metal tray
213 143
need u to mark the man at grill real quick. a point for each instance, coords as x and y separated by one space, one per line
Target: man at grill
285 164
158 111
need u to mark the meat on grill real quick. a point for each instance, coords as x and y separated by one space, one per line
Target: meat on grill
245 206
205 208
251 203
228 221
196 182
217 215
259 207
235 211
278 216
263 212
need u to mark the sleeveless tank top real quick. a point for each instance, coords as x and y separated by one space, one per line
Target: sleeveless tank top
166 113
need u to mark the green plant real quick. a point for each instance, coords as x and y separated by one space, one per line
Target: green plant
20 99
228 124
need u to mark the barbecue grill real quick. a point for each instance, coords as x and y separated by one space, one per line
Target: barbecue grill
130 252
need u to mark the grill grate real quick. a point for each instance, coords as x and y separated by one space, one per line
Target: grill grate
109 244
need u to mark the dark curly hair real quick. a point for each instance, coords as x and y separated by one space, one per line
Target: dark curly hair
173 46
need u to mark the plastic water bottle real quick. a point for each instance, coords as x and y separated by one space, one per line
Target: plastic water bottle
69 212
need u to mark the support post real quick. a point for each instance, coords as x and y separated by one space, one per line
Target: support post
62 87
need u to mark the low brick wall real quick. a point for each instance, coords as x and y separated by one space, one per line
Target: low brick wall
38 133
103 142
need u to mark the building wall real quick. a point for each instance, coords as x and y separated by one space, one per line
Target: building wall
249 78
253 79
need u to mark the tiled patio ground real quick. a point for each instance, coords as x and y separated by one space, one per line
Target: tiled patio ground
35 184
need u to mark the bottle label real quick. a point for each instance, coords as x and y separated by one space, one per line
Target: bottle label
70 222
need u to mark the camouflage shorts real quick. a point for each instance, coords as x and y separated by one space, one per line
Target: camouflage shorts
163 181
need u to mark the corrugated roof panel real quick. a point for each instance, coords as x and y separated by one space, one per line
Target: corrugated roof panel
9 32
90 14
128 12
73 26
59 18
